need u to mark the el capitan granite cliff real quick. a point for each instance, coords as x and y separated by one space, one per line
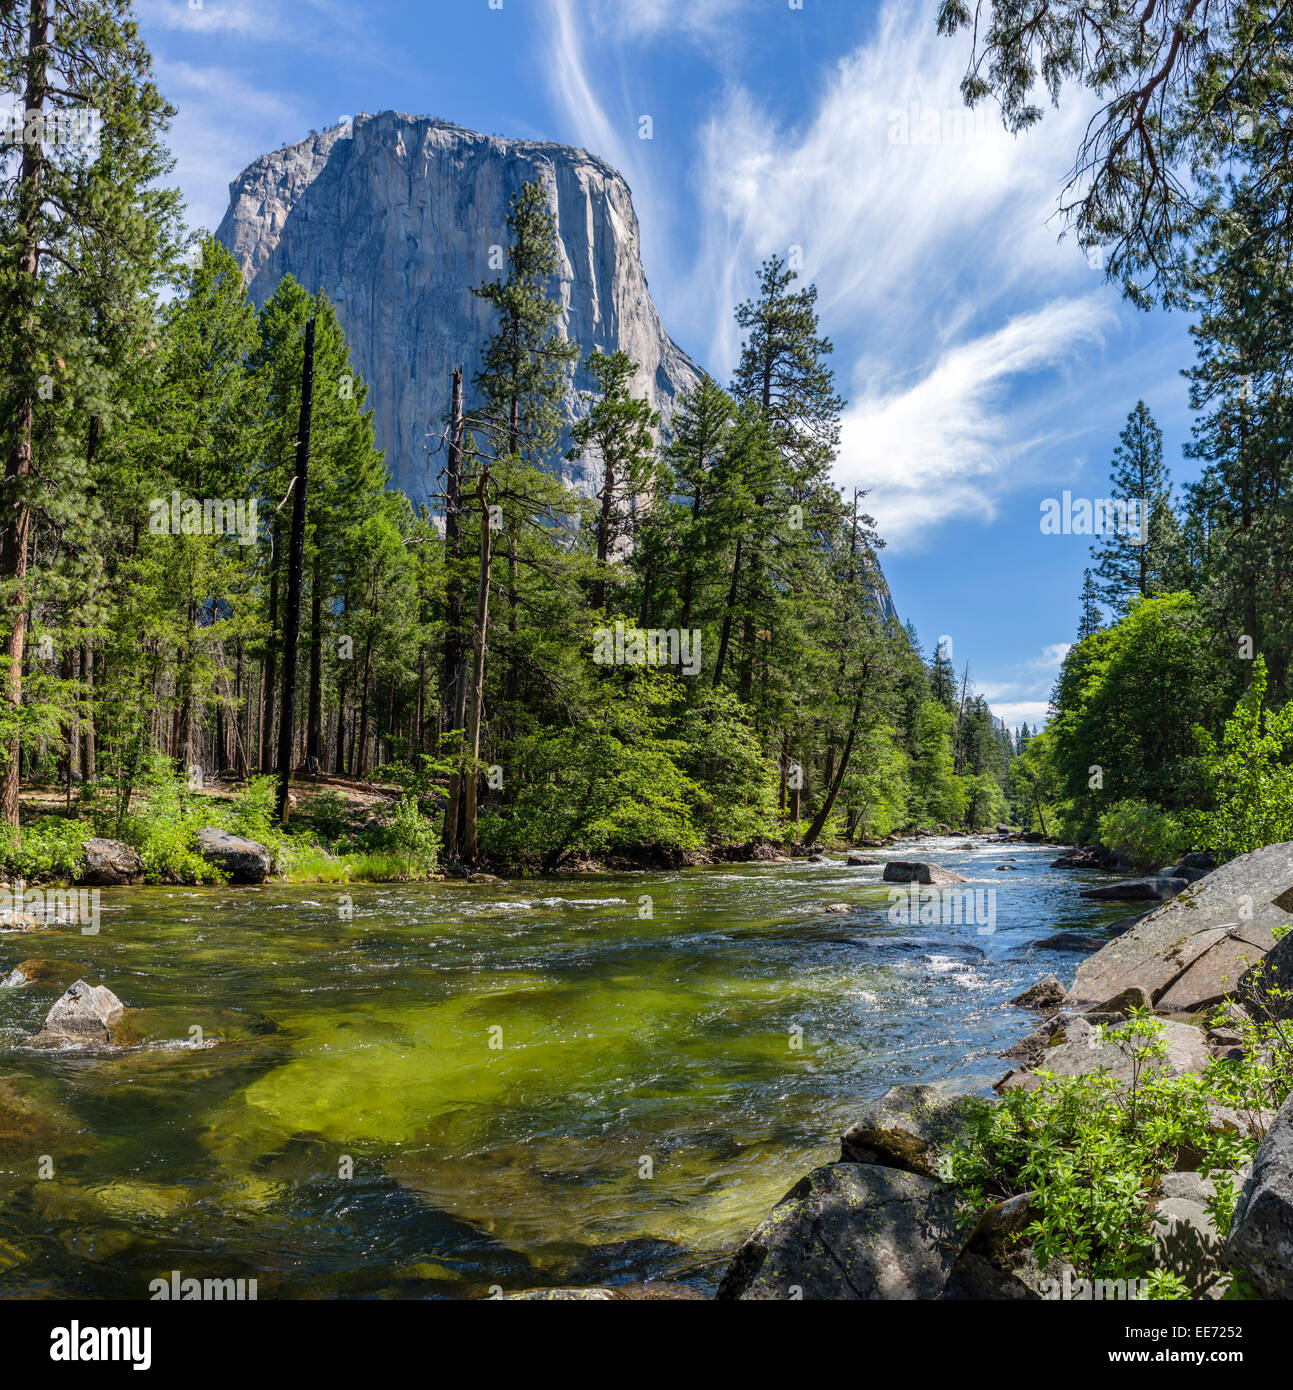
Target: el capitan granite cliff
394 218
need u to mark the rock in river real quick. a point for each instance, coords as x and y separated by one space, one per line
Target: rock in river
83 1017
909 1128
914 871
850 1231
244 861
1046 993
1190 953
1138 889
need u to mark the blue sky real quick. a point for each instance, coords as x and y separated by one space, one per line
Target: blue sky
986 364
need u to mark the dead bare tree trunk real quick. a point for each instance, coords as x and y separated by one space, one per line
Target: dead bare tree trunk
295 568
476 690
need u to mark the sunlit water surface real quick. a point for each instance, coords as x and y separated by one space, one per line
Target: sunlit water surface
429 1090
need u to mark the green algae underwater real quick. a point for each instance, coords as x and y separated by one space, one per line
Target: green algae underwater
446 1089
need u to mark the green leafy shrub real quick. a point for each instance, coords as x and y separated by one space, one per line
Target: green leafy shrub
252 813
1091 1150
409 840
162 822
1145 836
46 848
1249 775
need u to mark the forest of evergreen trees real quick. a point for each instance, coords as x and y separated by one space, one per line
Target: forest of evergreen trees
205 583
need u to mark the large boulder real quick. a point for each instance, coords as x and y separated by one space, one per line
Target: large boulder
850 1231
914 871
996 1263
1077 1045
1088 857
1190 953
1185 1235
82 1017
1137 889
1260 1249
1266 987
110 862
909 1128
244 861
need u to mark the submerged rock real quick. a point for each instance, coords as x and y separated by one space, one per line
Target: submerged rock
1071 941
110 862
39 972
245 861
30 1127
13 920
83 1017
850 1231
1137 889
914 871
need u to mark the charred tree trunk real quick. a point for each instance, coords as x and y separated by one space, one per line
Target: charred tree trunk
467 774
314 714
295 568
453 643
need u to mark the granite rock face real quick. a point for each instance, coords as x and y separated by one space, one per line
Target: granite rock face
1191 952
395 218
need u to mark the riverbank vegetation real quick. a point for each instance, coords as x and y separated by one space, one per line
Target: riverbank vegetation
203 564
207 576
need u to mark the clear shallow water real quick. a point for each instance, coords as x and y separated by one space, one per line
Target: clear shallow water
459 1086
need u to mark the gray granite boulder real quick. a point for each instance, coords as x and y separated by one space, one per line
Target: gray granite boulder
244 861
850 1231
916 871
1078 1044
1047 993
82 1017
110 862
1191 952
1260 1249
909 1128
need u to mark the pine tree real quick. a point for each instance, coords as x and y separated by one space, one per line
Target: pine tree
616 436
85 233
1131 559
1091 619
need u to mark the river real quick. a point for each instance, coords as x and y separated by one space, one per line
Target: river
436 1090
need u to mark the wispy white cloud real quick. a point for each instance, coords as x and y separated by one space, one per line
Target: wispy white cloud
1023 692
237 17
1017 712
925 229
693 19
945 447
571 81
223 122
1051 657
